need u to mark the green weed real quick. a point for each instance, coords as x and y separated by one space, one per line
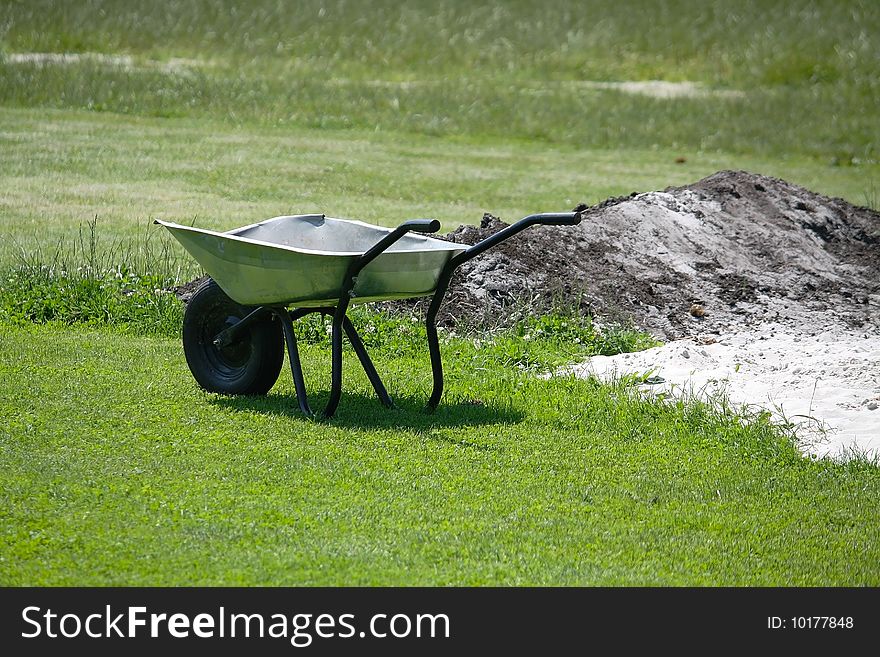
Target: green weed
146 304
93 284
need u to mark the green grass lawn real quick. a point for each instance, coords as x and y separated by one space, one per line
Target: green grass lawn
116 469
61 169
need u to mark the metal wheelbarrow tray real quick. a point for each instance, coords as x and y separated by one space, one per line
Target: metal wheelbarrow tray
267 275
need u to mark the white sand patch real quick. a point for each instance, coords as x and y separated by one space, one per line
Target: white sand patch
653 88
175 65
823 379
660 88
68 58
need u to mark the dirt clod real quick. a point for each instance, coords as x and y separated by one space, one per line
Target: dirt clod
697 310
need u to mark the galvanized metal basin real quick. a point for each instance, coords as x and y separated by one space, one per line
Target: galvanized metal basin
301 260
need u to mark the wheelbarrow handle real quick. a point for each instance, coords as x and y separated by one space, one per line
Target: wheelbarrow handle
556 218
546 219
339 318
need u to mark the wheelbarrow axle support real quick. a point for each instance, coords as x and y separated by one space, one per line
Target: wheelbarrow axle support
287 318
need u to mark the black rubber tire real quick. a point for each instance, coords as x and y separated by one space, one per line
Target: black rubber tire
250 366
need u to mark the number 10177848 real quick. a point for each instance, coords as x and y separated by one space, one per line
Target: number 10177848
810 623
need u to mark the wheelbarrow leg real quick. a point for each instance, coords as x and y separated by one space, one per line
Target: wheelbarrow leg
342 322
335 360
358 346
293 356
433 340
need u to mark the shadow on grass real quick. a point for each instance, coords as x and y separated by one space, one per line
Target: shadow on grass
358 410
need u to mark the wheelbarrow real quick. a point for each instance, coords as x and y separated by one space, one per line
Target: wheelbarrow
265 276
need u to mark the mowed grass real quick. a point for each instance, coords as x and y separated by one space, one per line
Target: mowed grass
117 470
61 169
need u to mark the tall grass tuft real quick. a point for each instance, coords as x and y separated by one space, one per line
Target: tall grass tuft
872 198
84 282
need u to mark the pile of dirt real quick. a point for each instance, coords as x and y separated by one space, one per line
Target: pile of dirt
731 250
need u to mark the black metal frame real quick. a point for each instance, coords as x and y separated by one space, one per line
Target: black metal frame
341 322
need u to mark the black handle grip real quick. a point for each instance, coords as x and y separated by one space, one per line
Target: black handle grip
547 219
559 219
420 225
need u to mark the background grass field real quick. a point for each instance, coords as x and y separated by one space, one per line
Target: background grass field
116 470
383 111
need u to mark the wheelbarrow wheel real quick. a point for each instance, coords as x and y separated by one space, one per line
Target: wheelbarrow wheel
248 366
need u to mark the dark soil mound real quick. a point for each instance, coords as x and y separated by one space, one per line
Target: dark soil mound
731 249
